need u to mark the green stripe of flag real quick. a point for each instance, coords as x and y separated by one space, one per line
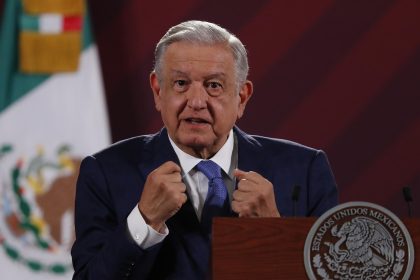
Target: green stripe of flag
14 84
29 23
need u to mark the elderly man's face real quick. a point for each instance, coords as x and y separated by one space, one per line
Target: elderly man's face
198 96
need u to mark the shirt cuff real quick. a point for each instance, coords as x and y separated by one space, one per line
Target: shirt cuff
143 234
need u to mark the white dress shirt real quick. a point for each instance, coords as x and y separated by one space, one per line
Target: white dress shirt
197 187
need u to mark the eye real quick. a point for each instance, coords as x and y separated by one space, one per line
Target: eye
214 88
180 85
214 85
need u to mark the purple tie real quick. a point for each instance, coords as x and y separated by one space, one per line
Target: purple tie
217 200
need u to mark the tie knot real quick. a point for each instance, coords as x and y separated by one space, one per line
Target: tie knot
210 169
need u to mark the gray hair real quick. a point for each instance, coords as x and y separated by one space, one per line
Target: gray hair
208 33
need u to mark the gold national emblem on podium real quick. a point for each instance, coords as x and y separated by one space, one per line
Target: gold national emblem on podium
358 240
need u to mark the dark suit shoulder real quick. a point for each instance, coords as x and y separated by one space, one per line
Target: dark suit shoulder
286 151
265 153
273 147
280 145
264 143
131 148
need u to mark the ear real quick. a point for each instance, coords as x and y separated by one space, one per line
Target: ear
245 94
154 84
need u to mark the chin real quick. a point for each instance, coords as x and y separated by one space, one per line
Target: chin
195 142
198 143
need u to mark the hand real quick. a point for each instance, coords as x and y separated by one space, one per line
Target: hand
254 196
163 195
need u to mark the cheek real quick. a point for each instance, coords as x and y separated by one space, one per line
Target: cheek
172 105
226 113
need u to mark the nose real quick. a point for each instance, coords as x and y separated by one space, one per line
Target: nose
197 97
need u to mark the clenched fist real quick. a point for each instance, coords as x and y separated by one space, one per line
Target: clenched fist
254 196
163 195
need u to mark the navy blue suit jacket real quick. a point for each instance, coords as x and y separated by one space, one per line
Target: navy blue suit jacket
111 182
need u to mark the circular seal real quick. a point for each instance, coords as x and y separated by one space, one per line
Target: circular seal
358 240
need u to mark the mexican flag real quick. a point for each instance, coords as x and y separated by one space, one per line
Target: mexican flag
52 114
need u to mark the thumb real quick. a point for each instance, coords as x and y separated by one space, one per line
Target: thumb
239 174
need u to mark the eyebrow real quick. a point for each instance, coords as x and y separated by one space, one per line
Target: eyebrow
216 75
207 77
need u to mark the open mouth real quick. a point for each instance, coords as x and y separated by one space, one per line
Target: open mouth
196 121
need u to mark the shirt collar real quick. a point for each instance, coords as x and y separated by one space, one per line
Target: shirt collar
223 157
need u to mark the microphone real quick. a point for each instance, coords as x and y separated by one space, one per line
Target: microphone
295 198
408 198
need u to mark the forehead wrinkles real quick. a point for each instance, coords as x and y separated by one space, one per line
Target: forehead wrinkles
199 50
186 53
174 74
197 63
202 70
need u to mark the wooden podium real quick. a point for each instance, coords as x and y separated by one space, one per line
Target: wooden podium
272 248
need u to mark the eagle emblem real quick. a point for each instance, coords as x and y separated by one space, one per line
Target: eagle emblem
363 242
358 240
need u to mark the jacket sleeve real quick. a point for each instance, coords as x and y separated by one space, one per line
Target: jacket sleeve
103 248
322 188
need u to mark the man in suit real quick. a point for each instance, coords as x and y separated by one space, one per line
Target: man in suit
144 205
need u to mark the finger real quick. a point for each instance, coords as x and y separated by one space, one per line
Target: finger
245 185
237 196
242 209
184 198
241 196
237 207
175 177
251 175
180 200
169 167
239 174
234 205
180 187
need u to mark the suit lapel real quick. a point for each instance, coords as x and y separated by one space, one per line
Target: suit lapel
158 151
250 156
